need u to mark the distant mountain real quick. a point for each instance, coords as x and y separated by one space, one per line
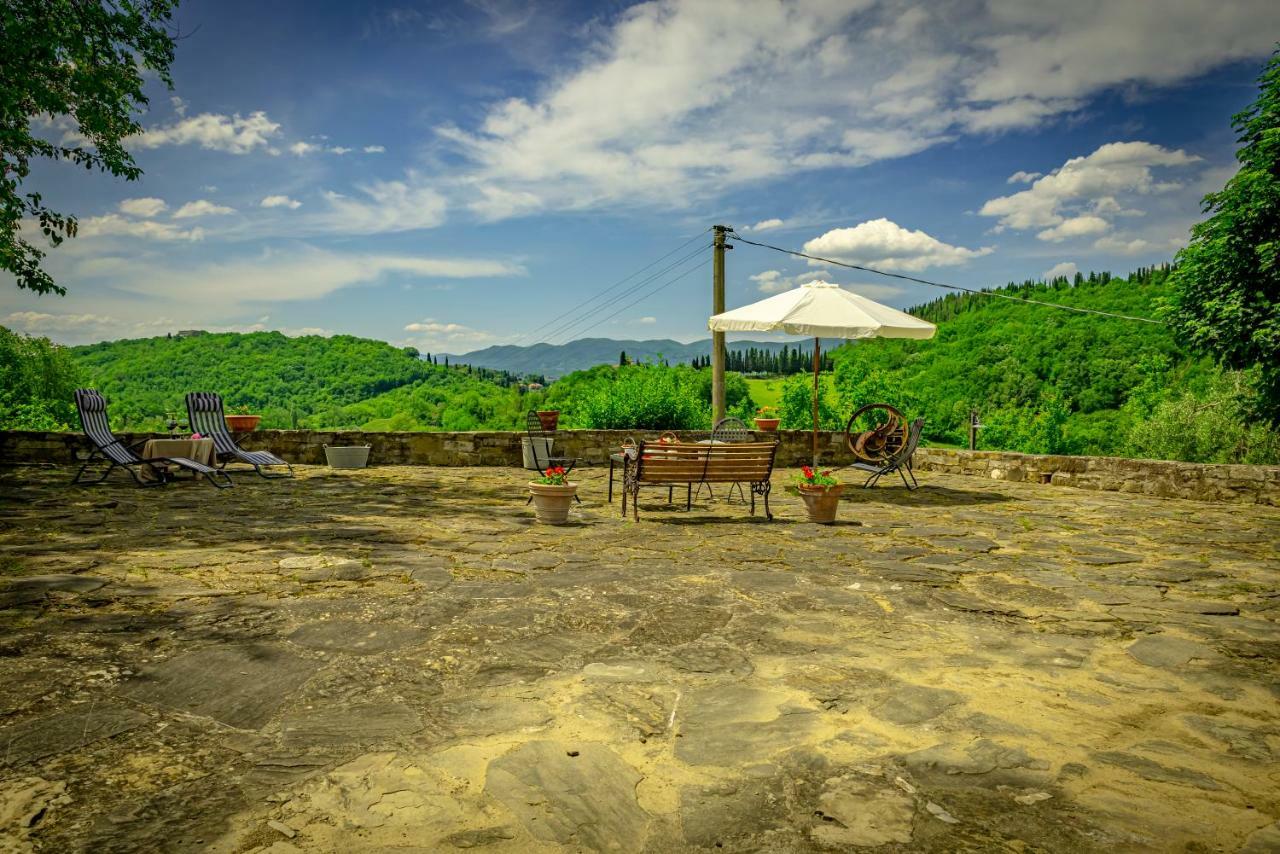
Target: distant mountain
556 360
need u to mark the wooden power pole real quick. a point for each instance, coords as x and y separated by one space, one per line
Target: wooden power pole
717 338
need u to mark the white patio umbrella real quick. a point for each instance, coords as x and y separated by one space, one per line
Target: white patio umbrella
822 309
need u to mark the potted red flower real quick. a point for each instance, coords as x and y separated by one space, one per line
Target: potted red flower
552 496
821 494
767 419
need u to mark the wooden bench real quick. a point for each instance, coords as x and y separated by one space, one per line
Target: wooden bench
664 464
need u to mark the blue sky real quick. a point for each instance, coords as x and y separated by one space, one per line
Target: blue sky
454 175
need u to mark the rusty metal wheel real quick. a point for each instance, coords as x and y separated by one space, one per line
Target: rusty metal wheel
875 432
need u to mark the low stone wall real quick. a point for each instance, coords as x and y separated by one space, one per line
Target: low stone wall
497 448
1248 484
1251 484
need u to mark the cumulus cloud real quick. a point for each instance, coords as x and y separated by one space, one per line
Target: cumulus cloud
882 243
201 207
383 207
374 149
1068 201
1021 177
233 134
1076 226
338 149
1063 269
765 225
675 100
300 148
280 202
145 208
116 225
775 282
435 334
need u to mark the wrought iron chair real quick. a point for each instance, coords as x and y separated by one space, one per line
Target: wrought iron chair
107 448
731 431
540 441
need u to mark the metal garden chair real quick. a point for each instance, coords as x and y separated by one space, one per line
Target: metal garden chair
540 441
899 462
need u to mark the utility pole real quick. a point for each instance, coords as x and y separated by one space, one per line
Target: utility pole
717 338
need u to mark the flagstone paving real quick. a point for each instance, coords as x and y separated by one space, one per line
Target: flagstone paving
398 659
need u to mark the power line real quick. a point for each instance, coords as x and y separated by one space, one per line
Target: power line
644 297
577 321
974 291
609 289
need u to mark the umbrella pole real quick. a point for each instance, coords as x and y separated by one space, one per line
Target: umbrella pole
817 342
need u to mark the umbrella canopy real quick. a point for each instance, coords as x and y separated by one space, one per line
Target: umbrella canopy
822 309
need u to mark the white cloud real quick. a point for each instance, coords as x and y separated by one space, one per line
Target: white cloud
1063 269
1136 245
114 224
339 150
296 274
647 320
432 334
1075 199
179 105
882 243
35 321
300 148
675 101
280 202
775 282
436 327
232 134
1021 177
384 207
201 207
1076 226
765 225
146 208
374 149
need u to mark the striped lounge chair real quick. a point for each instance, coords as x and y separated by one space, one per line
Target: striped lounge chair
204 413
107 448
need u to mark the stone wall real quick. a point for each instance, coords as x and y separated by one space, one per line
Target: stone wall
433 449
1251 484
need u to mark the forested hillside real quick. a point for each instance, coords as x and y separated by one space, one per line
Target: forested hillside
288 381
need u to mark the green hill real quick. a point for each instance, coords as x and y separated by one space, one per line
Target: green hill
289 381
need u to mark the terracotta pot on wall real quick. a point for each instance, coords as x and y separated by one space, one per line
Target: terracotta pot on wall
549 418
821 502
767 425
551 503
243 423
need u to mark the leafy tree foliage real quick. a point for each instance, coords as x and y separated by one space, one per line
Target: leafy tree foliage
37 379
1226 286
80 60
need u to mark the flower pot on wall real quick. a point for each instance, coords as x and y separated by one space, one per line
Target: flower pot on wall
821 502
549 418
243 423
551 502
767 425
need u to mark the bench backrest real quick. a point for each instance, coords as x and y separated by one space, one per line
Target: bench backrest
741 462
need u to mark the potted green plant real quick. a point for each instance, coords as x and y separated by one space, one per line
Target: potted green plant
821 494
241 421
552 496
550 418
767 419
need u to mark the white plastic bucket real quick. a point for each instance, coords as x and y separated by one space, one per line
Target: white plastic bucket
347 457
526 451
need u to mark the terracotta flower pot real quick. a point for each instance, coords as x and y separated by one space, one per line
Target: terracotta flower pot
551 503
821 502
242 423
767 425
549 418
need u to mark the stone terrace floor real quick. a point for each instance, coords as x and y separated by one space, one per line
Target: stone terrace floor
398 660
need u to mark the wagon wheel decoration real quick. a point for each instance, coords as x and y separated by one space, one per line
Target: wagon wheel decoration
876 432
